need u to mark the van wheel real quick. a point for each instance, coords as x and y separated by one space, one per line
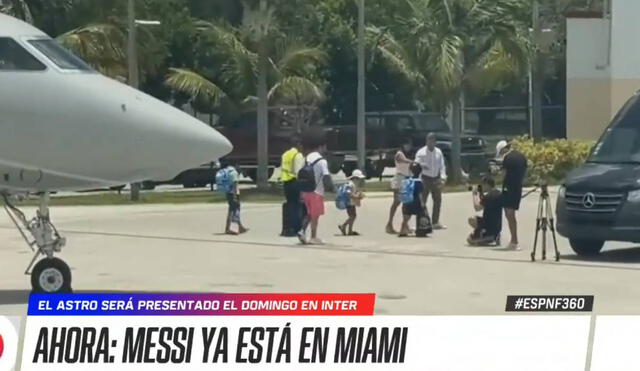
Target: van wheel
586 247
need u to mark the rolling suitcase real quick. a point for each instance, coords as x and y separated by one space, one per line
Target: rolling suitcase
287 226
423 225
292 219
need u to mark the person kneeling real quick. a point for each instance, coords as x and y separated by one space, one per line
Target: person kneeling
486 228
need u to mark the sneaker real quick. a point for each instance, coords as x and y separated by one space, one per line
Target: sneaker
513 247
302 237
343 230
438 227
316 241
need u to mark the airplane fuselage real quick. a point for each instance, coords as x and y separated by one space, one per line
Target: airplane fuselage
71 129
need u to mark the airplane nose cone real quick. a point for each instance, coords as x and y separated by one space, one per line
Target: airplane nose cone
202 143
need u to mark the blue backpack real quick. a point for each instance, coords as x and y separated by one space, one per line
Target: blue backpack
406 190
223 180
343 198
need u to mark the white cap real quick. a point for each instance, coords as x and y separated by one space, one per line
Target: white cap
500 146
357 173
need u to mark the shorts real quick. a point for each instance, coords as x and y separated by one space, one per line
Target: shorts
351 211
511 198
314 204
233 200
396 182
414 208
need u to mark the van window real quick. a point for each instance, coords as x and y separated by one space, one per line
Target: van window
620 143
13 57
59 55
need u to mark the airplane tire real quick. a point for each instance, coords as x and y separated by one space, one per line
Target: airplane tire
52 276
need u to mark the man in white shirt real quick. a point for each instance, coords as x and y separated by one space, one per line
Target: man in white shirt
434 176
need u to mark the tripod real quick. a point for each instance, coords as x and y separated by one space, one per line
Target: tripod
544 222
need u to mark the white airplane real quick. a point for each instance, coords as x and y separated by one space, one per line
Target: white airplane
63 126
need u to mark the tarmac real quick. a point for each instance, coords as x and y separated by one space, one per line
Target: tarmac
180 248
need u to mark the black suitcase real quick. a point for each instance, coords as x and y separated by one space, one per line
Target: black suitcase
286 220
291 219
423 226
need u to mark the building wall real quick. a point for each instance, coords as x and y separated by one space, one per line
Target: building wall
625 54
588 78
603 68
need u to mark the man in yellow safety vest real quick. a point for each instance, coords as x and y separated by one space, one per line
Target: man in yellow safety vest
292 161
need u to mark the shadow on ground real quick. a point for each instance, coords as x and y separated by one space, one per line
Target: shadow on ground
626 255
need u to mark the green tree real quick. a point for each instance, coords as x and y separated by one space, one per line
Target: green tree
256 65
227 73
448 47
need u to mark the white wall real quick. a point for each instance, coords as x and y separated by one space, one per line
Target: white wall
587 49
625 48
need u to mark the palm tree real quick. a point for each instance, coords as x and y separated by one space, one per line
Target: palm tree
257 59
291 66
448 47
100 45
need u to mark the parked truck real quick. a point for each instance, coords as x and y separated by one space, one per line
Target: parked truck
384 132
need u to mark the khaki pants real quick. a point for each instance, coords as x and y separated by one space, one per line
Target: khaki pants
431 186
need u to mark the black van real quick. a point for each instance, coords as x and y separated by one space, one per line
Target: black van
600 200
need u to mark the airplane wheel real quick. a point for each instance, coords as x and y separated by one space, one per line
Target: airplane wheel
51 275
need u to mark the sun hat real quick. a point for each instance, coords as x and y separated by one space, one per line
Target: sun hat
357 173
500 146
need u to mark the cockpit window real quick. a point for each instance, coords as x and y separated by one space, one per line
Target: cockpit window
13 57
59 55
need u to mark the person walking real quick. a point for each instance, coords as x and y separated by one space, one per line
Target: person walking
403 163
292 161
227 183
412 203
314 179
353 195
434 176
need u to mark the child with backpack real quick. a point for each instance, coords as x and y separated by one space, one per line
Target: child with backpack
349 197
227 183
412 203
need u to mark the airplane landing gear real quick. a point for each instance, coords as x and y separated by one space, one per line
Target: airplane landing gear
50 274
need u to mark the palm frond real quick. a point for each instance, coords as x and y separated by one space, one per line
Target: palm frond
394 54
296 90
101 45
195 85
447 63
294 58
241 67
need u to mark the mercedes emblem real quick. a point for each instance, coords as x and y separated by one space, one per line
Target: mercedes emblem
589 200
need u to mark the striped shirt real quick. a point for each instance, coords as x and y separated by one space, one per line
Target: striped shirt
432 163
